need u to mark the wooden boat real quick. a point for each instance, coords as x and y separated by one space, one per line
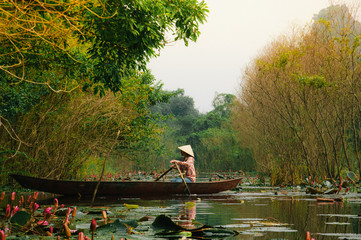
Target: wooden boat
123 188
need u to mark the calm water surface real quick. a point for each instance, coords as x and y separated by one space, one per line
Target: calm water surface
256 213
260 213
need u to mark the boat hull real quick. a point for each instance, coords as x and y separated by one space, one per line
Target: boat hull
123 188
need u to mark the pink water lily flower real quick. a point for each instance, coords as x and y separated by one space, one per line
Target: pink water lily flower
21 200
74 212
35 196
13 196
2 235
47 212
35 206
43 222
7 211
15 209
93 225
56 203
81 236
68 212
2 196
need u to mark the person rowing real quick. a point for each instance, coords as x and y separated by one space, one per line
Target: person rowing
186 165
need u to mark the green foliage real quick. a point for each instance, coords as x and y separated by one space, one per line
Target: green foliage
134 31
299 110
71 130
315 81
53 53
18 99
222 104
214 142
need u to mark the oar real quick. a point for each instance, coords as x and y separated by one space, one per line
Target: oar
164 173
184 181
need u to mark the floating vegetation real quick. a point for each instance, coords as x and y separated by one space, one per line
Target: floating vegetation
232 216
165 227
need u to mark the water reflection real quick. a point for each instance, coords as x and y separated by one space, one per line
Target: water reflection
187 214
256 215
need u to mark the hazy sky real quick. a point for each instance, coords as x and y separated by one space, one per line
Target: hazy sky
236 32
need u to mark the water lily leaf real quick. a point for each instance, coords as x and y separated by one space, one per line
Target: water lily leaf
163 222
327 184
145 218
174 234
131 206
273 224
190 204
331 191
352 177
312 190
118 226
20 218
218 232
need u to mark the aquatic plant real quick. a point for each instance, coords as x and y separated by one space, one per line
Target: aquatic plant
93 226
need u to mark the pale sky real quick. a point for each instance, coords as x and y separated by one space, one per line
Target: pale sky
236 31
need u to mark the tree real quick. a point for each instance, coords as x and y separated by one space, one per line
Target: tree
135 32
119 36
70 47
211 136
65 131
222 104
298 106
66 45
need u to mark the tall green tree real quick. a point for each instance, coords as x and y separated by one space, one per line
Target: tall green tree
64 45
116 36
54 52
65 131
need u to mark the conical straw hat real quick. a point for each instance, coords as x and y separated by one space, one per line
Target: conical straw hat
187 149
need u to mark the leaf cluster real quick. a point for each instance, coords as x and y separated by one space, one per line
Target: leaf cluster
129 33
53 52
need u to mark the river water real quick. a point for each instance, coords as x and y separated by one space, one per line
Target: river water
258 213
252 212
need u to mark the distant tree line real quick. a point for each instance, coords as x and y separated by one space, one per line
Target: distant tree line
211 136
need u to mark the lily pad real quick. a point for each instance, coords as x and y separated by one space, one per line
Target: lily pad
190 204
118 226
131 206
20 218
163 222
174 234
218 232
170 229
352 177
